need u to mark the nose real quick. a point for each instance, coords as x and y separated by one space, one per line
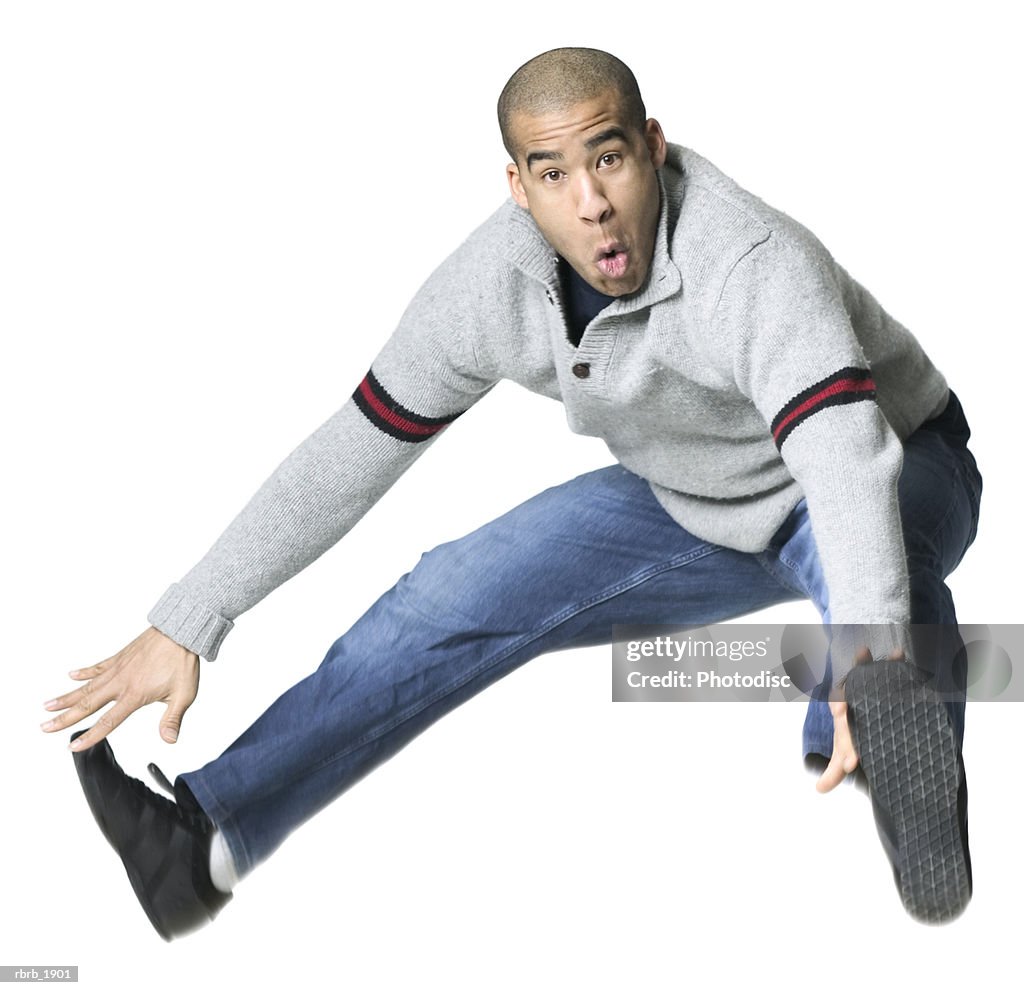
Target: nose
591 203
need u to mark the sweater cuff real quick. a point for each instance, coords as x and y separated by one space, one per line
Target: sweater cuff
188 623
880 639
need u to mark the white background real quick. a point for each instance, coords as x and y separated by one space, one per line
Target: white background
212 216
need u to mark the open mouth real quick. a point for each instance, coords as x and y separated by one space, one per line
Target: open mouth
612 261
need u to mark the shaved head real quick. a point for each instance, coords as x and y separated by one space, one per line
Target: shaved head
562 78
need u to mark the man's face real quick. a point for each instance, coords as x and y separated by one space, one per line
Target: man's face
588 178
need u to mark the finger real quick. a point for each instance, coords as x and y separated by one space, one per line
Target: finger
94 689
832 775
104 726
88 673
74 697
85 701
844 758
842 762
64 701
841 735
98 677
170 724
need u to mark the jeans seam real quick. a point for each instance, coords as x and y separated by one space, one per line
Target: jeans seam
765 562
962 483
973 507
223 820
548 625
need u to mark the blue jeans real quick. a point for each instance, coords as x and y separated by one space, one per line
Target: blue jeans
559 571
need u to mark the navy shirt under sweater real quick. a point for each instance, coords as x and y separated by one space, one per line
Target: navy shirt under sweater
582 302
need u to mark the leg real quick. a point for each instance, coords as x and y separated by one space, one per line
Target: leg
558 571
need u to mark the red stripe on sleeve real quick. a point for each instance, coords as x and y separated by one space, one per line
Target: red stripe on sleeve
848 385
391 417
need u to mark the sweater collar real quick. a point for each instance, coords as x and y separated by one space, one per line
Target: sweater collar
530 252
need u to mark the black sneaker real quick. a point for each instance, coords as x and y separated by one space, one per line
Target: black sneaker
164 846
917 784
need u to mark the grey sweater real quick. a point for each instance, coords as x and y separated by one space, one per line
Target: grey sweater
748 372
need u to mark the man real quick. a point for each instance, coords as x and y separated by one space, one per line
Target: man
778 435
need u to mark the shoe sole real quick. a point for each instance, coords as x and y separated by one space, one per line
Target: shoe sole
909 753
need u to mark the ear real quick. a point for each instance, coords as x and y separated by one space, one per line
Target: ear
515 185
656 144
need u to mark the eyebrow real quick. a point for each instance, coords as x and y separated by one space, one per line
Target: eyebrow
541 157
609 134
605 136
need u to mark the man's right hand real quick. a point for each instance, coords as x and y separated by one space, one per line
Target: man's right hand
150 668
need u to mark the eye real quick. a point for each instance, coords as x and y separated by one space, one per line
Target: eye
551 176
609 159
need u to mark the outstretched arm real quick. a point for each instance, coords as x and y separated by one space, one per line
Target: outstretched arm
313 498
798 357
424 377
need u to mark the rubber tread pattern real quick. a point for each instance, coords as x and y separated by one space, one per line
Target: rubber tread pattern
908 750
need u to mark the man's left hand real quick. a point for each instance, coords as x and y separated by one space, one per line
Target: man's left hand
844 757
